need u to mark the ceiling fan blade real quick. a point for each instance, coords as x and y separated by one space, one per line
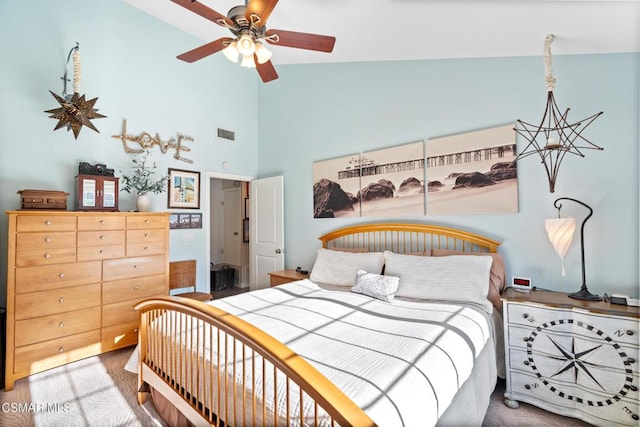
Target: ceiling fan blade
262 8
301 40
204 11
267 71
205 50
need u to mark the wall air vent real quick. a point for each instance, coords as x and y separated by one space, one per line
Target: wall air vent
229 135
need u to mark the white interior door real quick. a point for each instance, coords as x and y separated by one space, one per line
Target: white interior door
266 229
232 227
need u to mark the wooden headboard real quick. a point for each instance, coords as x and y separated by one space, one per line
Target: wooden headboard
406 238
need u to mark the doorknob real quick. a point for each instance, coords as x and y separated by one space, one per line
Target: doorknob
278 251
235 233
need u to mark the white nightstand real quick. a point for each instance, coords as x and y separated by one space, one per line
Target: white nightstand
575 358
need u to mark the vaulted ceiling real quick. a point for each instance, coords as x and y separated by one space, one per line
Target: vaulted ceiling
382 30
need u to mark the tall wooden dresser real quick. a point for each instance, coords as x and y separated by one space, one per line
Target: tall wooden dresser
72 281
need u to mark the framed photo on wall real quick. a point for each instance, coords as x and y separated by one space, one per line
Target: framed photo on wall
184 189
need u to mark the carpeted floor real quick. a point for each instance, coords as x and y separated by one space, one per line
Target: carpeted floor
98 392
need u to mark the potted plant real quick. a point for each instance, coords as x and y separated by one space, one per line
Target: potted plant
141 182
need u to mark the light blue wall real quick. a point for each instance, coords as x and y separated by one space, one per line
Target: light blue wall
129 62
311 113
319 112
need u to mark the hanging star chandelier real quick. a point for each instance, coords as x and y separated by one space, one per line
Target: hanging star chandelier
555 136
75 111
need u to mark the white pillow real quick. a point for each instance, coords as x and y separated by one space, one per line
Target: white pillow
449 278
375 285
339 268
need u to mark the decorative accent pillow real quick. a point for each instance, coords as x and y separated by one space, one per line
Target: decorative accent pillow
339 268
376 285
497 274
447 278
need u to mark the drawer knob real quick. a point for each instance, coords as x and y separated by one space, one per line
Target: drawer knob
47 239
634 388
61 325
629 332
60 350
525 316
101 251
47 256
102 237
526 362
135 330
525 339
135 266
527 386
102 221
146 248
47 222
146 235
61 275
146 221
61 300
632 360
135 288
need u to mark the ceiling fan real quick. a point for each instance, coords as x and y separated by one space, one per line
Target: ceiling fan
248 25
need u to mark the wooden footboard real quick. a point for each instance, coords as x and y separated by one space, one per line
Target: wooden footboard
218 368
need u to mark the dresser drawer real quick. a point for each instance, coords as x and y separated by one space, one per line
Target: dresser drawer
146 221
40 329
55 239
119 313
143 249
133 289
144 236
97 238
106 222
100 252
38 357
119 336
133 267
45 223
56 301
32 279
581 323
33 257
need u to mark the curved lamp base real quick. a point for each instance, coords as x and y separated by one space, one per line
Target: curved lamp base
584 294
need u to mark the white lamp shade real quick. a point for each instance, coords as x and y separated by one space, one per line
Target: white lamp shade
560 232
248 62
246 46
231 52
262 53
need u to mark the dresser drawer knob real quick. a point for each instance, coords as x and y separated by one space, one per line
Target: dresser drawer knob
101 251
102 221
135 330
632 360
135 266
47 222
525 339
526 362
146 235
634 388
102 237
61 350
527 386
525 316
61 325
47 256
146 221
47 239
146 248
135 288
629 332
61 300
61 275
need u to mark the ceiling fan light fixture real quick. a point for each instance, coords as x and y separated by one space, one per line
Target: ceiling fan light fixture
262 53
247 61
246 46
231 52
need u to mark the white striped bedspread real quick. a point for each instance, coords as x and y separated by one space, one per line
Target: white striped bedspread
401 362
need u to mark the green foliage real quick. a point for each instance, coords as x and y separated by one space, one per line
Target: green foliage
141 181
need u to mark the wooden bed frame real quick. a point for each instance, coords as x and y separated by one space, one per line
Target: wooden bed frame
168 364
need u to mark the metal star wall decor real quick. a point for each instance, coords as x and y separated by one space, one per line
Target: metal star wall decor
75 111
555 136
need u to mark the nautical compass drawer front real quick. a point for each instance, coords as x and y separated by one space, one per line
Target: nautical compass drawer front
573 362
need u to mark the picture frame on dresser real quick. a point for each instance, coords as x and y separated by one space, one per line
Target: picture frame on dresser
184 189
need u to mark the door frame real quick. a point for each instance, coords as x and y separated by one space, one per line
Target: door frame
206 213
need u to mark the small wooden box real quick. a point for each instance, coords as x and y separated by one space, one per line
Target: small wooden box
43 199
